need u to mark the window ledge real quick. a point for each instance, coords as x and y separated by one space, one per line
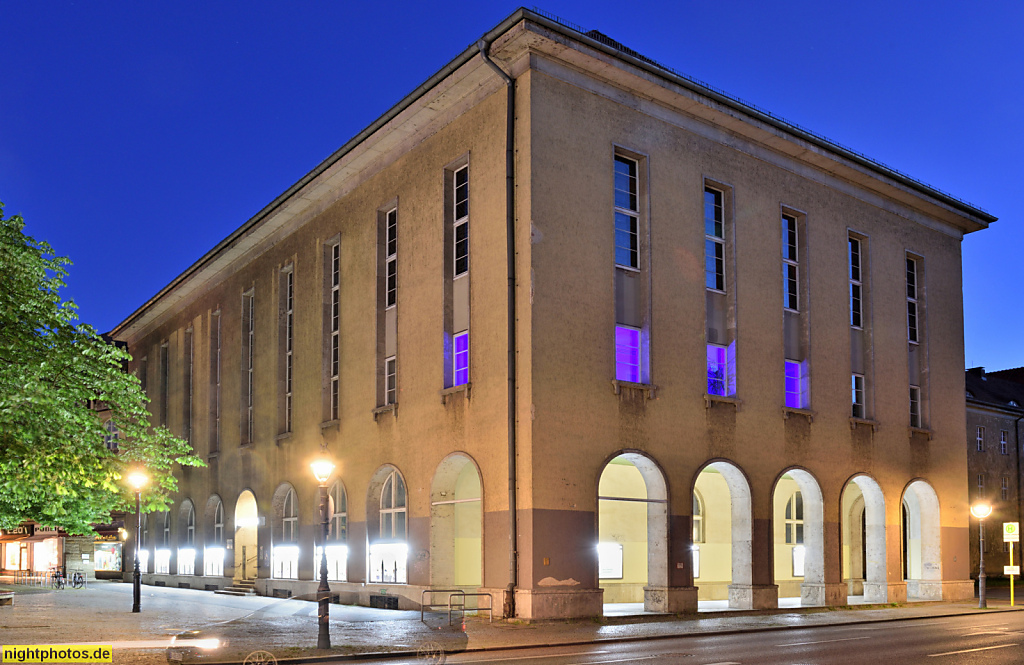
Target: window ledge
911 431
711 400
283 436
247 446
330 424
649 389
212 456
447 392
788 411
380 410
867 422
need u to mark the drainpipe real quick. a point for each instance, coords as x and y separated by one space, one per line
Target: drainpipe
1016 440
510 259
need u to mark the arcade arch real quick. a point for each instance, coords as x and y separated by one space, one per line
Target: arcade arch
456 524
863 528
722 562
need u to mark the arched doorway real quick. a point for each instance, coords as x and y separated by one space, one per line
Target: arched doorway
922 542
247 519
722 557
456 524
863 516
387 527
632 532
798 518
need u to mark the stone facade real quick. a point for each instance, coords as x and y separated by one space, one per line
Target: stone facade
623 179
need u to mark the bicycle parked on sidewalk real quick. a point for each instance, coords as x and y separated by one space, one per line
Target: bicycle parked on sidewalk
77 580
57 580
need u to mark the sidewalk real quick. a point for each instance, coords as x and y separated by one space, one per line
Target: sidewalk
288 628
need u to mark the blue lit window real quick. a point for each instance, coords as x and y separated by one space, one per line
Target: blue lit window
462 358
627 214
627 354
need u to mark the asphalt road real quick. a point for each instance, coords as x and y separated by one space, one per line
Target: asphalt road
984 639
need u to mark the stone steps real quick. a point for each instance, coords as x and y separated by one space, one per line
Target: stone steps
239 588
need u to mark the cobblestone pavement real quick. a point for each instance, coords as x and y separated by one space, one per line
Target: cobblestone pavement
288 629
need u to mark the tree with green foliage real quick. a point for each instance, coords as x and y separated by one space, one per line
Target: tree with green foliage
54 465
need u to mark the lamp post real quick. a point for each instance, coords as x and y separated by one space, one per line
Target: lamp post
322 470
981 511
137 480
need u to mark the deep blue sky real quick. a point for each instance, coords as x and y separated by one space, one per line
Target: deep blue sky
134 136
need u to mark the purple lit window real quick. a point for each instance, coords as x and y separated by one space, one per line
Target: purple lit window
627 354
717 369
462 358
793 388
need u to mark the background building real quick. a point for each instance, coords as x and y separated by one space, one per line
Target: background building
688 353
994 414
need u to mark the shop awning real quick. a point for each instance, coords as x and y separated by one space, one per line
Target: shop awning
8 538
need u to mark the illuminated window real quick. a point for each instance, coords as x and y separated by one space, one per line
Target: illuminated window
721 369
797 384
461 225
795 520
609 561
392 508
461 359
790 264
627 354
856 285
857 392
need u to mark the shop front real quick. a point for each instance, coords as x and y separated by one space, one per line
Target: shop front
108 554
31 547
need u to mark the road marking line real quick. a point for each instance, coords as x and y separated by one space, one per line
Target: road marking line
556 655
725 663
622 660
985 632
844 639
953 653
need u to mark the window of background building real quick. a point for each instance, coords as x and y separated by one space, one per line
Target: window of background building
714 239
391 258
1004 447
1005 489
334 343
110 438
981 439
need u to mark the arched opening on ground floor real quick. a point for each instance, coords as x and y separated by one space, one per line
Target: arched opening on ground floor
387 527
456 524
632 532
247 519
722 537
921 540
863 529
799 539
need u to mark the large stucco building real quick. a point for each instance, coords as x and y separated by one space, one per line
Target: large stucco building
702 353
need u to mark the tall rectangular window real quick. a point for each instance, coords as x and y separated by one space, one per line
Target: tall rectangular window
186 402
912 333
215 381
797 384
721 369
790 264
915 406
856 285
461 359
714 239
981 486
627 354
391 258
1005 488
1004 447
627 214
981 439
461 224
858 396
248 354
390 381
287 346
334 344
164 371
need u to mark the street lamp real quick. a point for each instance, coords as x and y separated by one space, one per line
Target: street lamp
322 470
981 511
137 480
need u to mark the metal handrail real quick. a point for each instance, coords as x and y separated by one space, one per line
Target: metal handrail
489 608
431 606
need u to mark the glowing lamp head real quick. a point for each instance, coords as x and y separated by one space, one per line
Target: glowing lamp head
137 480
322 469
981 510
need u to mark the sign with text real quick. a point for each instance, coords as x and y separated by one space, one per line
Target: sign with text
1011 570
1011 532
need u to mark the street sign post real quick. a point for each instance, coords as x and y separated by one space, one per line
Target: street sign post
1011 535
